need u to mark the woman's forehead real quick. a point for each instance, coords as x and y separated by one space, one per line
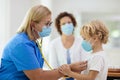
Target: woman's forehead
66 18
47 18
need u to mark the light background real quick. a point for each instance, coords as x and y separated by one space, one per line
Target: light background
12 13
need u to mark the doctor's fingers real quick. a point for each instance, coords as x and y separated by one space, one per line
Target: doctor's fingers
64 67
83 62
83 67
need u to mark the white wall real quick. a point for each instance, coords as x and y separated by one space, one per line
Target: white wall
18 10
77 7
12 13
4 22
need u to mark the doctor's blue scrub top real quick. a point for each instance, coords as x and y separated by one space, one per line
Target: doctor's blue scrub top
19 54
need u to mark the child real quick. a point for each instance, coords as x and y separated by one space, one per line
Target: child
94 34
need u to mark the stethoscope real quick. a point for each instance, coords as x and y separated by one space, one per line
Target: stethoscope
39 43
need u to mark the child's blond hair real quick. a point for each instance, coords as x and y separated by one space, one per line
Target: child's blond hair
95 27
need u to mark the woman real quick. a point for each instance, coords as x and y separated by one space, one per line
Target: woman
94 34
22 59
65 49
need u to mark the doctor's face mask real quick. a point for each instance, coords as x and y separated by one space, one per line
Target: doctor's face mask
46 29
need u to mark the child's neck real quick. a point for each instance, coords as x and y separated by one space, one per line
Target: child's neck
98 48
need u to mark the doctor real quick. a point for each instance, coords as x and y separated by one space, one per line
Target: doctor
65 49
22 59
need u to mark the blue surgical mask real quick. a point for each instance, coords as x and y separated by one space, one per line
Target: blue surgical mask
45 31
67 29
86 46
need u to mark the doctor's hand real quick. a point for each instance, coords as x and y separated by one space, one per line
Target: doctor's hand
65 69
78 66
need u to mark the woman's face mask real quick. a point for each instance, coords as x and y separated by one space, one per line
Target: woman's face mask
86 45
67 29
46 30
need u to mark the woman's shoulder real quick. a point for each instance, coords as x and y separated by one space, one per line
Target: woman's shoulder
56 40
78 39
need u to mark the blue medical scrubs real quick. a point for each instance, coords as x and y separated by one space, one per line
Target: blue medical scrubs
19 54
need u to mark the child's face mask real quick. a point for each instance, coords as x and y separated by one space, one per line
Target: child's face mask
86 45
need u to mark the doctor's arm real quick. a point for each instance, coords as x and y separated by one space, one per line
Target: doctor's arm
39 74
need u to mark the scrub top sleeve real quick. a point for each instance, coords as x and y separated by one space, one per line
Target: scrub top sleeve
24 58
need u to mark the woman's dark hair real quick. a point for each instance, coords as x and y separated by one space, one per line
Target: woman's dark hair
60 16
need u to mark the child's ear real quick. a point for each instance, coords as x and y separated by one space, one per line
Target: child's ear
95 38
99 35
